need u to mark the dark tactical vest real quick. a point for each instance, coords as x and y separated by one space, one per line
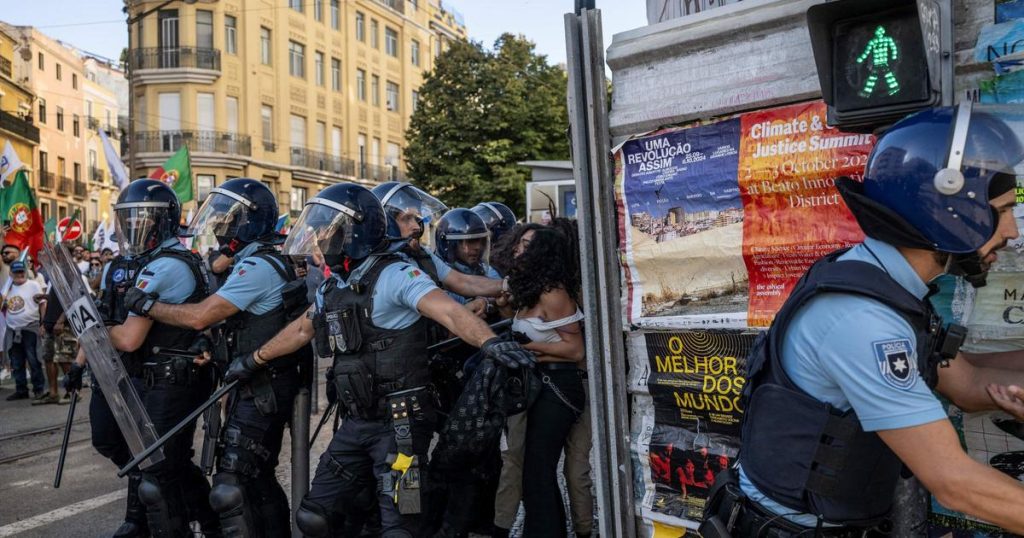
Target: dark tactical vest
805 454
247 331
167 336
369 362
120 277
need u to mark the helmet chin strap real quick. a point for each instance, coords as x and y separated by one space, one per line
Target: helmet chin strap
968 266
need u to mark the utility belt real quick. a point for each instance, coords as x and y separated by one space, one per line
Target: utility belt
403 482
261 387
730 513
179 371
360 394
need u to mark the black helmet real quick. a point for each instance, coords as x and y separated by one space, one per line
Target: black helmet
497 216
147 213
342 221
408 201
456 226
242 210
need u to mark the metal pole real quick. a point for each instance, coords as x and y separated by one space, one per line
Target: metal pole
300 452
131 102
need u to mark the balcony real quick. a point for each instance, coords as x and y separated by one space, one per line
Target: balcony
93 123
64 185
321 161
197 142
46 180
80 188
19 126
269 146
375 172
397 5
153 65
5 67
96 175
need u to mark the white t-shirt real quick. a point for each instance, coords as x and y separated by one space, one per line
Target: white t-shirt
22 309
83 266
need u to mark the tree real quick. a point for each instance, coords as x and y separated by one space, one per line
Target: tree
480 112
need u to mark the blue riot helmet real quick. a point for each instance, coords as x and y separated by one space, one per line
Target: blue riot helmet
497 216
461 236
342 221
237 213
412 213
931 176
147 213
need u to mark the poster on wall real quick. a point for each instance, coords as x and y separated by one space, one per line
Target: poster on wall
718 221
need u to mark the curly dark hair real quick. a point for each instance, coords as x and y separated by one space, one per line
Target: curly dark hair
571 229
543 267
501 252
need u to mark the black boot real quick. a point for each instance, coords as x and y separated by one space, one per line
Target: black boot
134 525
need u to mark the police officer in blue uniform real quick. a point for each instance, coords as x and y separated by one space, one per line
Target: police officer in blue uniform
175 372
497 217
258 299
462 240
371 317
839 391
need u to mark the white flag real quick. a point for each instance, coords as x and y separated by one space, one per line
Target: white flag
110 238
100 236
9 163
117 170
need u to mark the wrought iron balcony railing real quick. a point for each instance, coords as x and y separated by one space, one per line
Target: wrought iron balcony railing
321 161
197 141
176 58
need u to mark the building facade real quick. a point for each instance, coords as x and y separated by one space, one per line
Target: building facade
300 95
16 121
103 86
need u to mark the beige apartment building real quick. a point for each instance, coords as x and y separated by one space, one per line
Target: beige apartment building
300 94
16 122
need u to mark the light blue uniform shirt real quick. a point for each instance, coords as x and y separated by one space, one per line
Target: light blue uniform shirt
168 277
399 289
489 272
834 349
253 285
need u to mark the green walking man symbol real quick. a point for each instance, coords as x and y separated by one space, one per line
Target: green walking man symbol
880 51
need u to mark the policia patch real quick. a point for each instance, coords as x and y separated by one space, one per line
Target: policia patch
896 362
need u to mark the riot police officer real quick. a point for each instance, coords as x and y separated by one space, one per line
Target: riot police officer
462 240
176 378
258 299
839 391
371 317
497 217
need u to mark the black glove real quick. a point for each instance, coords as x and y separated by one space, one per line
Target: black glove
506 353
138 301
232 248
202 345
242 369
73 379
332 389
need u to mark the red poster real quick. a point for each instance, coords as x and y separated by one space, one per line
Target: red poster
793 213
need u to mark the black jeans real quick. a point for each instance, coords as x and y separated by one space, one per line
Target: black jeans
547 427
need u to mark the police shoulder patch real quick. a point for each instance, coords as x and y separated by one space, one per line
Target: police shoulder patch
896 362
119 275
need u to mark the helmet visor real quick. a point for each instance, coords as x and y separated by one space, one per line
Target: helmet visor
995 143
323 229
415 211
138 226
219 219
469 249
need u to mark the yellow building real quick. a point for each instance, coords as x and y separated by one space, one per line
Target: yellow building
16 124
300 94
102 109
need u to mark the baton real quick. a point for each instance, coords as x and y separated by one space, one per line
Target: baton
67 437
496 327
177 428
323 420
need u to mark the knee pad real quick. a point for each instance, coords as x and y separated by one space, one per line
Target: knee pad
226 495
312 519
149 491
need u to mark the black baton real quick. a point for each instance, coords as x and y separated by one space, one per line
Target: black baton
67 437
323 420
496 327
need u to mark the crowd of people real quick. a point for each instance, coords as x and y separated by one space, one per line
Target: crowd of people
372 282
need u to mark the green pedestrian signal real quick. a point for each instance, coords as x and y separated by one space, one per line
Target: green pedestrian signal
880 53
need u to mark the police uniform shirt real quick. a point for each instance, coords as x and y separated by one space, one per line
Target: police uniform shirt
253 285
851 351
170 278
489 272
400 287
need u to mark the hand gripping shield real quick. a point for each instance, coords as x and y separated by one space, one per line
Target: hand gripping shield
104 360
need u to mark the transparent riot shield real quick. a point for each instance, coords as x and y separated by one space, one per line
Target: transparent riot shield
104 360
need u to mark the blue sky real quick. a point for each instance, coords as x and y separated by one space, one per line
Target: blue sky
97 26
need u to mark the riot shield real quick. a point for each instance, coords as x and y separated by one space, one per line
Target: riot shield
104 360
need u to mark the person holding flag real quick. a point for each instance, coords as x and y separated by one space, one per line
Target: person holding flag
9 163
18 207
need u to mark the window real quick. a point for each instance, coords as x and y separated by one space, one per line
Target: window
336 141
375 152
362 150
77 171
413 3
205 182
375 90
391 42
76 125
62 167
74 81
109 123
296 5
204 29
318 10
335 15
265 46
230 34
232 113
298 131
321 137
59 77
297 59
60 119
360 31
267 117
42 110
392 96
336 74
415 100
41 60
44 164
360 85
298 199
205 112
414 53
437 47
318 64
394 156
374 34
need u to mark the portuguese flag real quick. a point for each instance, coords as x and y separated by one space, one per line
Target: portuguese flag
18 205
177 172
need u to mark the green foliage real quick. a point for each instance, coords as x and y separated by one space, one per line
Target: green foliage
480 112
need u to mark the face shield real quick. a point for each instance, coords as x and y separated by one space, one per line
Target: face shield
470 249
219 219
324 229
415 212
138 226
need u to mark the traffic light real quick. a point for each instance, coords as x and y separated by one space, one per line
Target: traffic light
879 60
